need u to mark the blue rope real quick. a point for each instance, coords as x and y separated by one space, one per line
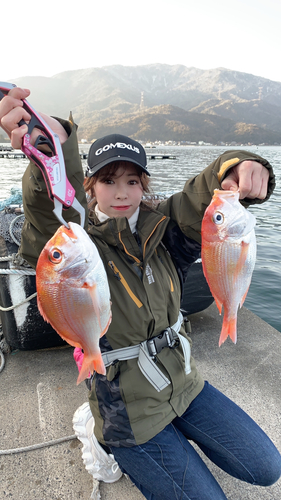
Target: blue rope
14 199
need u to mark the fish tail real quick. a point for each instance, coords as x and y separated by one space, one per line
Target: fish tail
229 328
91 365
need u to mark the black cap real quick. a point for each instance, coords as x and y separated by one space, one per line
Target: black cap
115 147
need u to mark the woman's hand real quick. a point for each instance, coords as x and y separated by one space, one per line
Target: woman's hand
250 177
12 111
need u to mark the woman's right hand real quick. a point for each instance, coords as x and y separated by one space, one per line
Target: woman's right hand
12 111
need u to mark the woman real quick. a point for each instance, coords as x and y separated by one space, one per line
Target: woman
149 407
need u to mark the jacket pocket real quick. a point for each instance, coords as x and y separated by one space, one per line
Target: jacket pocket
122 280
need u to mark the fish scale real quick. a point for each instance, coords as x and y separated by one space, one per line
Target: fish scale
73 293
228 255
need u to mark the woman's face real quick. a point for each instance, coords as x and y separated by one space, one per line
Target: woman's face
121 194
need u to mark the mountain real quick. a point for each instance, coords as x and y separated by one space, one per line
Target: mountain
163 102
168 122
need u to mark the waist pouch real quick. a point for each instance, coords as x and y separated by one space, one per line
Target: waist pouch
146 353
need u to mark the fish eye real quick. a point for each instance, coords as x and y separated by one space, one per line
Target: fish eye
55 256
218 218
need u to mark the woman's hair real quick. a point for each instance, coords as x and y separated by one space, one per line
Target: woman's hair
106 173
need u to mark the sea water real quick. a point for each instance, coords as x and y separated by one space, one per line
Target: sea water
169 175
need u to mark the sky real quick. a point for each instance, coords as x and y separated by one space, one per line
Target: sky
43 39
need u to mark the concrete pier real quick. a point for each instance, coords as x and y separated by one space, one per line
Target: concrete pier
39 395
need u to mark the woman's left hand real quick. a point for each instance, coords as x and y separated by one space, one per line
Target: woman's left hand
250 177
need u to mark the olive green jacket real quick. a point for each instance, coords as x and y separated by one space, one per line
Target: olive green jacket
145 277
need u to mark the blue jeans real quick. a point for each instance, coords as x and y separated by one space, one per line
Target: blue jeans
167 467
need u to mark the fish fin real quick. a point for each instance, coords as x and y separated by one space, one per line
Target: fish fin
64 336
240 264
91 365
92 291
68 339
229 328
70 342
41 310
242 258
107 326
244 297
218 304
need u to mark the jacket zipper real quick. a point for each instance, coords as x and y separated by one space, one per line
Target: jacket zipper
159 222
122 280
126 251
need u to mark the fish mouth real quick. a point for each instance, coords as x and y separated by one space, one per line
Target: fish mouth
241 225
76 263
226 194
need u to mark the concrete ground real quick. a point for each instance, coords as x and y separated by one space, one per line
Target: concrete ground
39 395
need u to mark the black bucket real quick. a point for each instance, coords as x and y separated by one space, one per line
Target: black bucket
196 292
23 327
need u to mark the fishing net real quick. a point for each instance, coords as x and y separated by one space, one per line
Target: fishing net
12 217
11 224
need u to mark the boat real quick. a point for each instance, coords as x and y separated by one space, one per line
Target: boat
12 155
22 324
161 157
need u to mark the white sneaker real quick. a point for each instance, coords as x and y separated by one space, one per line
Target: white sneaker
97 462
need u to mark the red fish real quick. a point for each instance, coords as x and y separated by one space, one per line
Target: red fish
73 293
228 255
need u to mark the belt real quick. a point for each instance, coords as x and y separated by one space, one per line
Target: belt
146 353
